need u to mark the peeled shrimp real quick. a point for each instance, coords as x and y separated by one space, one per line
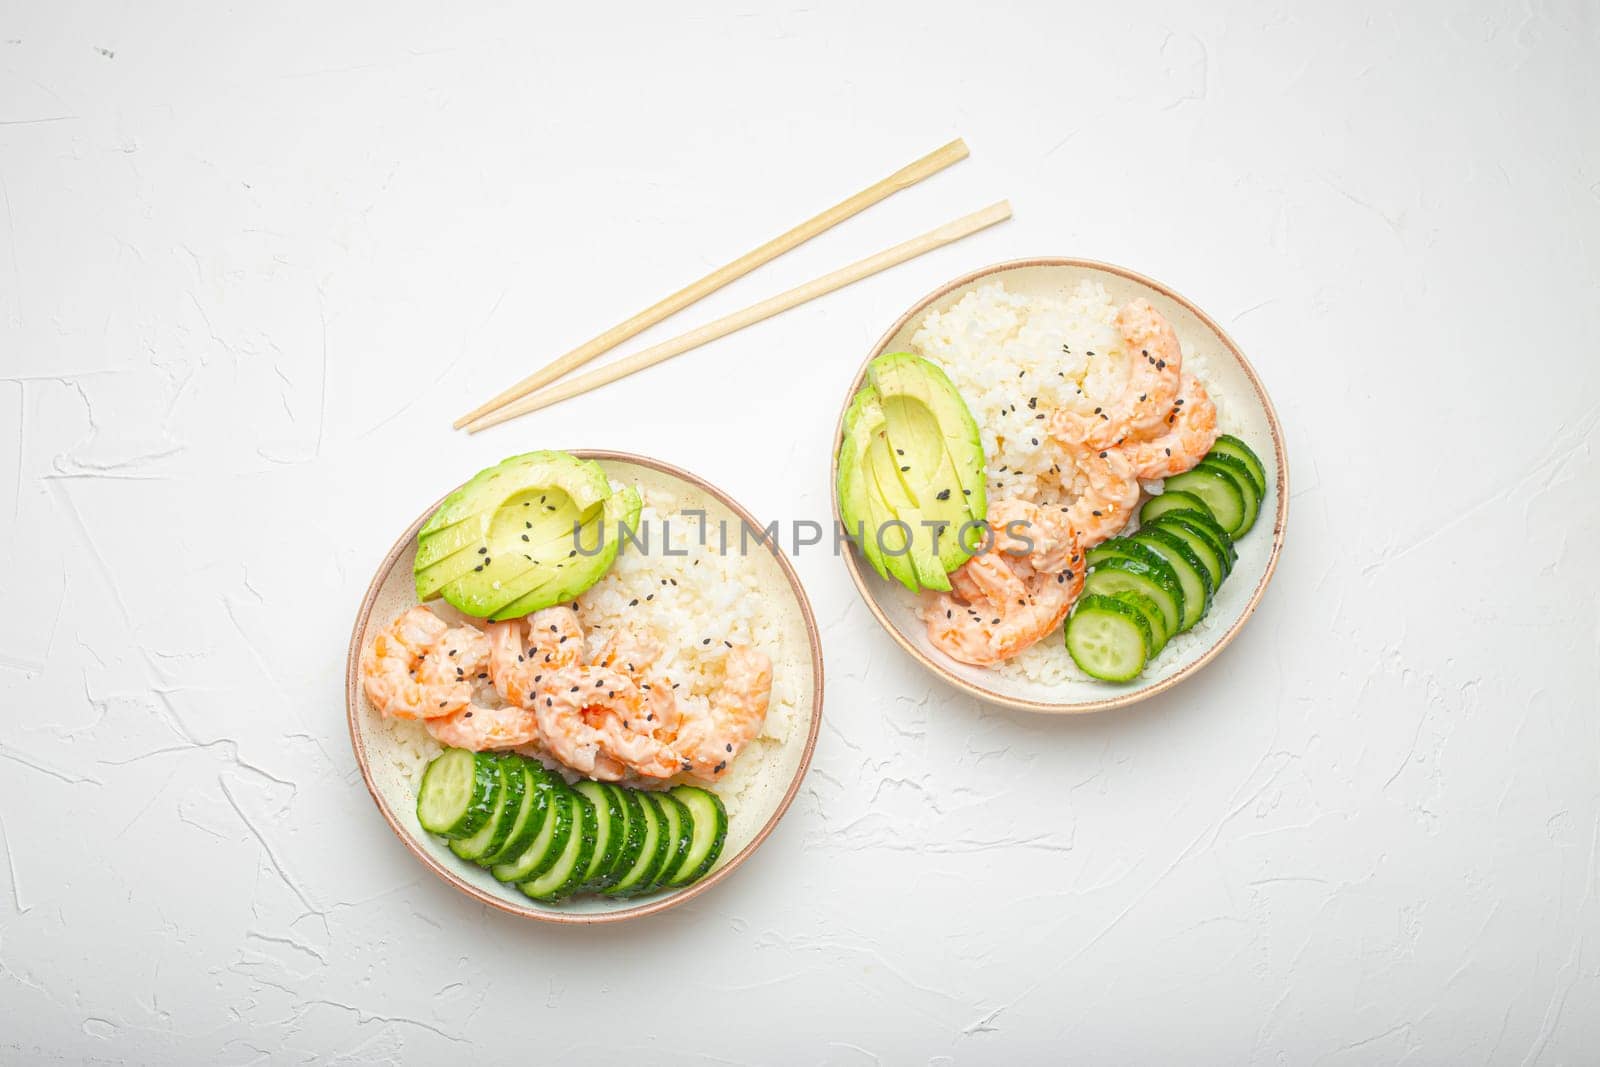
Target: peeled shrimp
1154 368
1107 497
482 728
1052 543
567 703
984 632
715 729
1191 431
526 651
418 667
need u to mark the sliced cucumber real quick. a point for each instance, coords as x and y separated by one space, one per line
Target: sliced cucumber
566 873
1171 500
528 822
551 841
1210 528
1204 548
1218 489
458 793
1108 638
709 820
507 805
1229 445
678 827
1192 573
611 826
1235 469
631 842
652 851
1159 584
1159 634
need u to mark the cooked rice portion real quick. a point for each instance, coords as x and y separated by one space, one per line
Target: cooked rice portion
1015 358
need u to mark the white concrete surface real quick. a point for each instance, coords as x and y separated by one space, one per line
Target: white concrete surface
253 258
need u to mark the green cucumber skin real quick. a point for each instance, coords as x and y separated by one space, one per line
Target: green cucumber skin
1103 579
536 808
1183 561
632 840
1221 492
1088 605
639 878
566 874
679 828
696 800
539 858
1249 495
1208 528
611 828
1229 445
485 794
494 832
1171 500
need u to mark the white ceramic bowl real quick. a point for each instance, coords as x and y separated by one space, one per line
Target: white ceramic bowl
799 661
1251 417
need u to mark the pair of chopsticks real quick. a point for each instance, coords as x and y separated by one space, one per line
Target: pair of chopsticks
526 395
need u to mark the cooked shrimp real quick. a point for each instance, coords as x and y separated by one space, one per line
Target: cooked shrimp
715 729
526 651
482 728
1106 498
985 632
1154 368
563 710
987 576
629 650
409 669
1191 431
1051 544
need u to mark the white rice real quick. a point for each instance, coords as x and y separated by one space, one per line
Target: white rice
696 605
1014 359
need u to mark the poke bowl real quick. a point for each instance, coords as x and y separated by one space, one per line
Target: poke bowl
1100 472
538 772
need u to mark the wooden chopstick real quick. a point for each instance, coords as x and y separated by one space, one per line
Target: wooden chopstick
950 231
903 178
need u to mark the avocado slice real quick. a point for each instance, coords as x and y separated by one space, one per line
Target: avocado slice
859 505
916 381
507 535
571 573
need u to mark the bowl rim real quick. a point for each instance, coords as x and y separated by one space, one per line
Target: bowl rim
1280 518
682 896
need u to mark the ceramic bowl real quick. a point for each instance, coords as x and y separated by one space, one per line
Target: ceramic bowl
384 749
1249 415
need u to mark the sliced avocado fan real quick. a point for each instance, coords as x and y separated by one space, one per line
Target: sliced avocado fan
911 471
531 531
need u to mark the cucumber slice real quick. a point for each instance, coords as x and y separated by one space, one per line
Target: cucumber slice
678 828
1229 445
611 827
507 805
528 821
709 820
551 841
1218 489
1212 558
631 841
1171 500
1240 474
1159 584
652 851
1211 528
1107 638
458 793
566 873
1192 573
1159 634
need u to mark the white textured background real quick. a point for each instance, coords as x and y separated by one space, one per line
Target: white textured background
254 257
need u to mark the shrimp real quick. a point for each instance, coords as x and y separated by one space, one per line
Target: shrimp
565 705
1107 496
481 728
1051 543
986 632
1191 431
410 670
715 729
1154 369
526 651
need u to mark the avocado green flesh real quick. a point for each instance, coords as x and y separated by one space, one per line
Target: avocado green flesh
573 573
506 538
910 454
463 519
907 375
